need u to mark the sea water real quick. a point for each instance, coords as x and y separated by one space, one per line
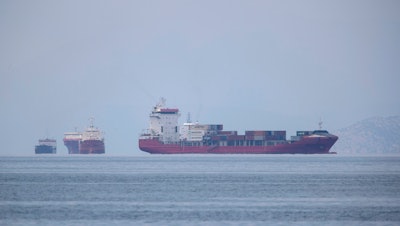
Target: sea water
200 190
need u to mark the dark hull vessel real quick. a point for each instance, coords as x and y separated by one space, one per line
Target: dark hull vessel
46 146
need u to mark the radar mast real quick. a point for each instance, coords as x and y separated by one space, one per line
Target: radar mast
320 124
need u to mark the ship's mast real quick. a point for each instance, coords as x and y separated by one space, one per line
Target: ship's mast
160 104
320 124
91 122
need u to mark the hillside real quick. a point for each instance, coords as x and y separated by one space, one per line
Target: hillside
377 135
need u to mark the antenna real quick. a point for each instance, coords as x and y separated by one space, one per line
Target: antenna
161 103
91 121
320 123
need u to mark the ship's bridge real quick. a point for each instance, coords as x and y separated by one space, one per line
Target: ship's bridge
164 122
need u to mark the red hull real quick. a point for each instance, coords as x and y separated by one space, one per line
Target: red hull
91 147
308 145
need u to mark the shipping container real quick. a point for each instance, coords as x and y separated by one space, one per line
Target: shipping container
236 137
223 137
255 133
215 127
227 132
295 138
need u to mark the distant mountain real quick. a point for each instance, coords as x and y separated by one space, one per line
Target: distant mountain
377 135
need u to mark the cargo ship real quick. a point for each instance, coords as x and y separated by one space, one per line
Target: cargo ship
165 137
71 141
46 146
91 141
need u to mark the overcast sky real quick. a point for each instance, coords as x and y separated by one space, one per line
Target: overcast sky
249 65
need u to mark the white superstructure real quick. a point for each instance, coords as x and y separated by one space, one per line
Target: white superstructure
164 123
92 133
72 136
192 131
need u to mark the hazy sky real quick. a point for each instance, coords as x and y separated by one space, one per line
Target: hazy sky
246 64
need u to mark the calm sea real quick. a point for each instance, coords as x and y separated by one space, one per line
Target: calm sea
200 190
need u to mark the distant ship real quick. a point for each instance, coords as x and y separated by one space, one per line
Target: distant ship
46 146
165 137
71 141
91 141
